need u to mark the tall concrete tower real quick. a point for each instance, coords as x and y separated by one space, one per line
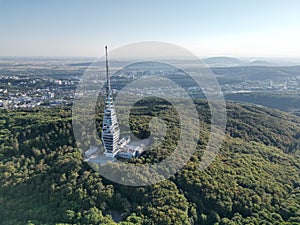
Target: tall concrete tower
110 127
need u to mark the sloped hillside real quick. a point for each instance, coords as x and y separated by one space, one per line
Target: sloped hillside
254 180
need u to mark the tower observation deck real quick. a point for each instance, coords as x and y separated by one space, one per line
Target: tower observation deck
110 128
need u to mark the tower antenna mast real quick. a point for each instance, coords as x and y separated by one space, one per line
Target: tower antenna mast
107 75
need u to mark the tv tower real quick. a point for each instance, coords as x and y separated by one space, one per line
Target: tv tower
110 127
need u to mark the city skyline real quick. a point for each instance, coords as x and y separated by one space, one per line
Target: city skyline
81 28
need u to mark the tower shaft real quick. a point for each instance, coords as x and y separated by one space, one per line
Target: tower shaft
110 127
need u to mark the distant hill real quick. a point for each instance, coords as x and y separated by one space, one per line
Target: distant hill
230 61
85 64
284 102
222 61
256 72
257 62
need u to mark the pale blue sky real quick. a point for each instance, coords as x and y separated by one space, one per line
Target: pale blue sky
207 28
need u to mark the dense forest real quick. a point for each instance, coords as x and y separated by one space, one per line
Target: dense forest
254 180
282 101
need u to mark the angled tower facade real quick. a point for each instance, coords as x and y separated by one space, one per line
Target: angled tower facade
110 127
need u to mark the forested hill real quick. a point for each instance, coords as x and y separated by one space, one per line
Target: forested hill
254 180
